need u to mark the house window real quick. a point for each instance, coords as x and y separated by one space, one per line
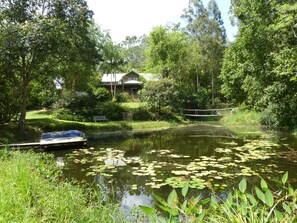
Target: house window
132 79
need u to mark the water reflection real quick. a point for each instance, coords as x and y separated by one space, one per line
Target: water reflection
210 158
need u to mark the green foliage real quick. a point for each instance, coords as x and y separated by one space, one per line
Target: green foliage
41 95
9 100
85 113
259 68
141 114
66 114
159 94
39 195
43 39
123 97
189 99
134 50
112 59
166 52
242 116
102 94
262 205
113 111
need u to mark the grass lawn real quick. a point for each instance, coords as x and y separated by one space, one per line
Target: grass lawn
133 104
242 117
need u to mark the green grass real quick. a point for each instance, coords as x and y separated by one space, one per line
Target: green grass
133 104
39 114
242 117
42 121
31 191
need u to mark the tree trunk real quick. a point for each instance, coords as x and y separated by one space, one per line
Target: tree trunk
24 97
111 91
212 89
197 83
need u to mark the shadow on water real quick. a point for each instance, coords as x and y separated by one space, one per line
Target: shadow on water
211 158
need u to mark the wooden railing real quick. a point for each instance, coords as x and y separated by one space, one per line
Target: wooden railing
206 112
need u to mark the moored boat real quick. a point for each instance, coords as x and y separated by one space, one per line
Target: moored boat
63 139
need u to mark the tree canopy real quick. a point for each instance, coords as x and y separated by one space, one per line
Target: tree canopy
43 38
259 68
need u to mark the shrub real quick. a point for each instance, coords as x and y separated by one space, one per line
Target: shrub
102 94
111 110
123 97
142 114
66 114
79 102
190 99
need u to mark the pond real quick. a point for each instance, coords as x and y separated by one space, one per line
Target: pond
210 157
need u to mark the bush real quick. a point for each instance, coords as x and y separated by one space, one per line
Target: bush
102 94
190 99
111 110
79 102
66 114
123 97
142 114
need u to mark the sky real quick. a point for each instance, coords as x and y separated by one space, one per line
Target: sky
137 17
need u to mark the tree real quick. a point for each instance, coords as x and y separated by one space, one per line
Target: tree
260 67
166 52
112 61
206 26
37 38
160 94
134 51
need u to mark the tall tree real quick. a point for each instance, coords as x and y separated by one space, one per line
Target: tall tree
206 26
134 51
260 65
112 61
166 52
36 36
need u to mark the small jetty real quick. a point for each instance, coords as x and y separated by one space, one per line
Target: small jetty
63 139
22 145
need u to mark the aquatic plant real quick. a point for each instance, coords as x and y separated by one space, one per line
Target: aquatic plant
260 205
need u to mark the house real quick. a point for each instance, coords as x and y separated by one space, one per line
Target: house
130 82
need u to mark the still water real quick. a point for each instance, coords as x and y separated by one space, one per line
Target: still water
210 157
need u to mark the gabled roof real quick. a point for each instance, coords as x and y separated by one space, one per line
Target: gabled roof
107 78
112 77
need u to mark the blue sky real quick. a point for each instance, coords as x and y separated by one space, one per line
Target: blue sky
137 17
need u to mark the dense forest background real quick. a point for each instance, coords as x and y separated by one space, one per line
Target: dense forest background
49 50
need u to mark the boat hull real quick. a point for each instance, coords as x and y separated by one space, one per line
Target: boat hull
64 139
